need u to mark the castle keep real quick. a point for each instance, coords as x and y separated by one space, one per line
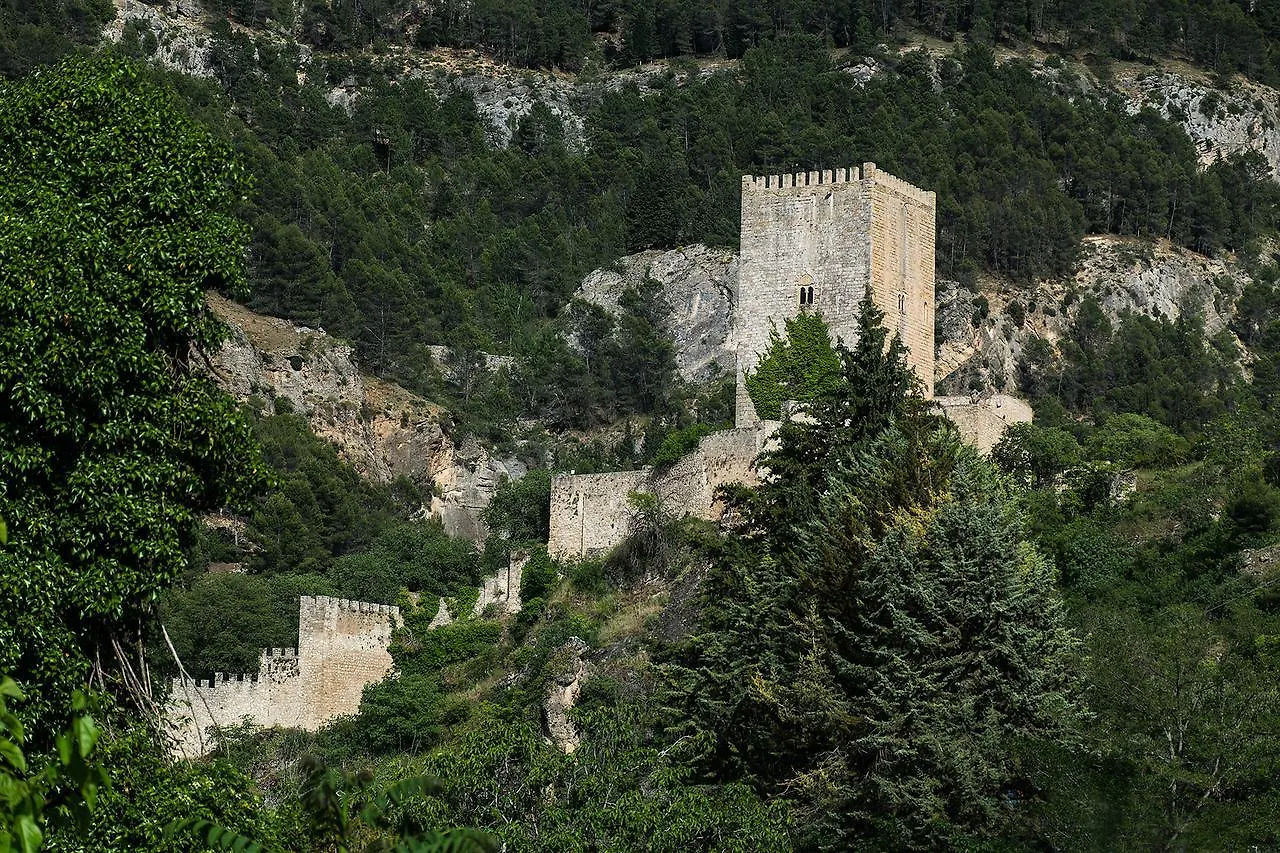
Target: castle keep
820 241
342 646
811 241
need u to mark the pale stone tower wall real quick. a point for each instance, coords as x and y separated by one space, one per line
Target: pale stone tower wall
815 241
836 234
903 231
342 647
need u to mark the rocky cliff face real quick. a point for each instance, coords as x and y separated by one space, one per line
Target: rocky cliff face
979 343
699 283
178 29
1221 117
381 429
1156 279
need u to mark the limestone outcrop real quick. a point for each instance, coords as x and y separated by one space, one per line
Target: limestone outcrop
1221 117
980 343
699 283
562 695
381 429
177 31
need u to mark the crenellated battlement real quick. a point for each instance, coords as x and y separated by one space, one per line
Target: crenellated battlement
802 179
899 186
342 646
326 602
866 173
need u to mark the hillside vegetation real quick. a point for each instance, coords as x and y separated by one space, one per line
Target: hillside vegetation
894 644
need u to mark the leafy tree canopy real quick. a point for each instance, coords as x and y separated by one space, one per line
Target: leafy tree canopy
802 366
882 637
116 215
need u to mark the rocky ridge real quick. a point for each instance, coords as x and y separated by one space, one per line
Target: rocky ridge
699 283
978 341
1222 115
381 429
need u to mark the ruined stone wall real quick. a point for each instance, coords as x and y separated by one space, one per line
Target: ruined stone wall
816 241
342 647
982 420
590 513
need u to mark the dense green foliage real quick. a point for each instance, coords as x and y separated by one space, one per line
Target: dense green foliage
402 224
800 366
37 32
1225 35
116 214
64 792
878 641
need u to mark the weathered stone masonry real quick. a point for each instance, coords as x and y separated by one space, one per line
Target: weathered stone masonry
817 241
342 646
590 513
812 241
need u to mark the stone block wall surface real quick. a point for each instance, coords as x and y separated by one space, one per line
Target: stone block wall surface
903 230
342 647
981 421
799 231
590 513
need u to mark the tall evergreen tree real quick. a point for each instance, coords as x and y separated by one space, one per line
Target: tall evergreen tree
881 639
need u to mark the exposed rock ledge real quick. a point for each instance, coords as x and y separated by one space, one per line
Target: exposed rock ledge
381 429
700 284
562 695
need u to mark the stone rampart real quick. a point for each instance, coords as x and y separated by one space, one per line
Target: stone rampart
982 420
342 647
591 513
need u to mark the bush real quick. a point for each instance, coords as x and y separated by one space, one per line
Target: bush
1137 441
449 644
402 714
539 576
678 443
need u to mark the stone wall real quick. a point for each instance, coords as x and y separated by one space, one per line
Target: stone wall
590 513
903 232
342 647
816 241
981 420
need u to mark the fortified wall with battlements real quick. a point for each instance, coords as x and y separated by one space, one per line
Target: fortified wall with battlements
342 646
810 241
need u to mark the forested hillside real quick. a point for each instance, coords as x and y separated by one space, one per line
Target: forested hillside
893 644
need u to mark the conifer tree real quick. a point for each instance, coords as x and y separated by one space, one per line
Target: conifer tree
881 638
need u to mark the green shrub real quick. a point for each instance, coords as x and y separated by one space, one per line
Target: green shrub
539 576
448 644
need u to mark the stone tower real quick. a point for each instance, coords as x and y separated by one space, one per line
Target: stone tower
817 241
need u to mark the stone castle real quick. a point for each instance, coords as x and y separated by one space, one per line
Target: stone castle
810 241
342 647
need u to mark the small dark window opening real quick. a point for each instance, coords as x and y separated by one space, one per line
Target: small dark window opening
806 295
902 303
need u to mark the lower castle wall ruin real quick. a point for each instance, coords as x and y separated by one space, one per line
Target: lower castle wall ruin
591 513
982 420
342 647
